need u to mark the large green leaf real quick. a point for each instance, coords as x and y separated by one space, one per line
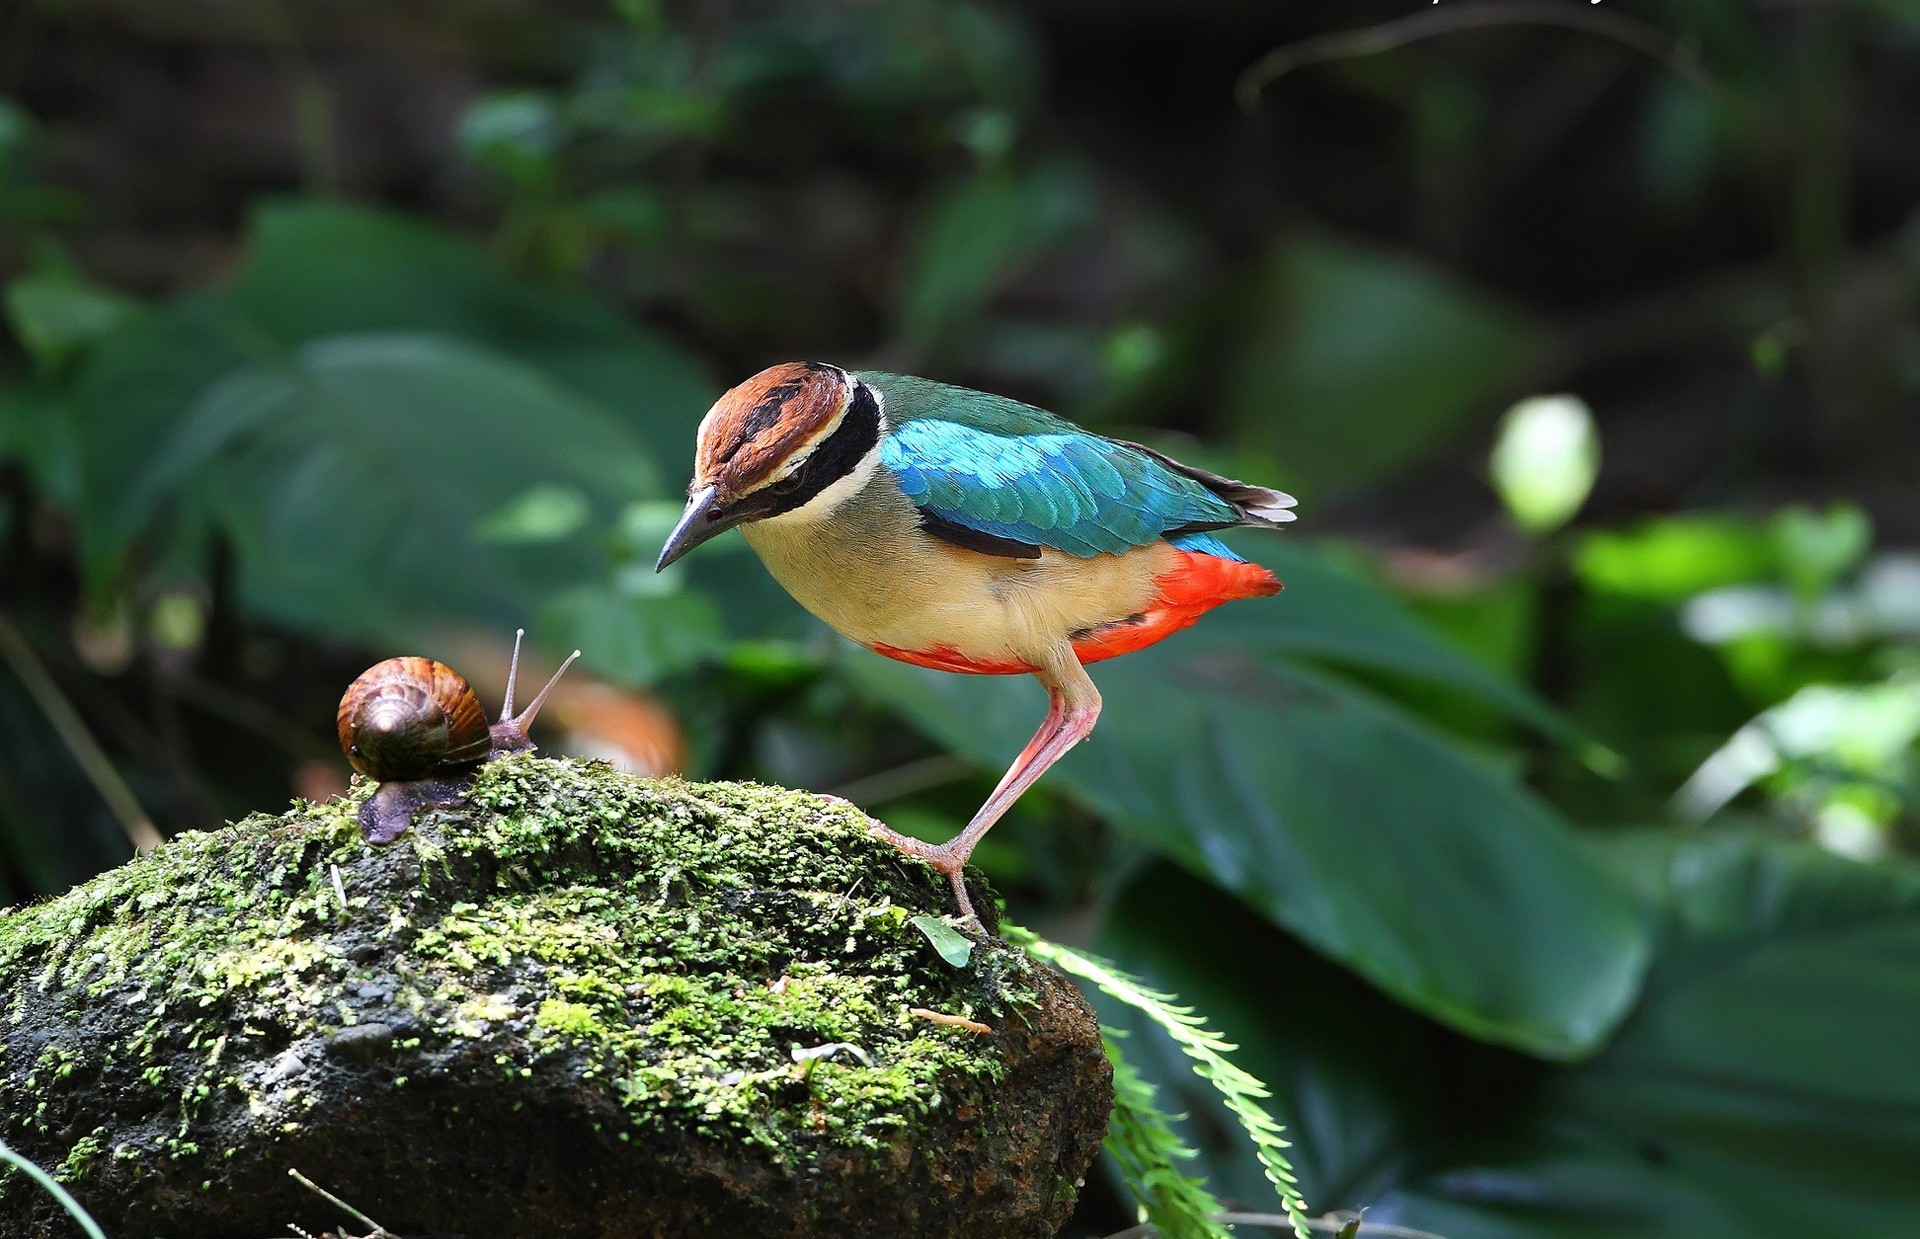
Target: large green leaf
1349 1071
353 476
317 270
389 431
1333 615
321 272
979 235
1340 817
1766 1085
55 315
134 388
635 639
1359 361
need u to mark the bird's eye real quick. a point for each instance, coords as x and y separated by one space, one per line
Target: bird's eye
713 514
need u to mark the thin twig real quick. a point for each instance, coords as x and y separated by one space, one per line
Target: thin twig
1332 1224
315 144
901 781
1372 40
378 1231
72 730
243 711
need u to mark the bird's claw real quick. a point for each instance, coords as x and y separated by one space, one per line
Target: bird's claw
942 857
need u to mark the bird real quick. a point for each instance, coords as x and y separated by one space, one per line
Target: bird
972 533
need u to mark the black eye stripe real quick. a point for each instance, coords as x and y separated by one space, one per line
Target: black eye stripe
841 452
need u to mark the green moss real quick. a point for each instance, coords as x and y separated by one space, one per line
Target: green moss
574 1019
80 1158
674 944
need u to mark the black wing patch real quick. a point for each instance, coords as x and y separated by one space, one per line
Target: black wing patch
974 540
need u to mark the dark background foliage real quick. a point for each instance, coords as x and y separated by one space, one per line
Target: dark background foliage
1548 844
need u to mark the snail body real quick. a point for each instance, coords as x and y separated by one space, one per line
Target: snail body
416 727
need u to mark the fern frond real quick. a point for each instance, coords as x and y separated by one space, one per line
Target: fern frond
1238 1088
1143 1142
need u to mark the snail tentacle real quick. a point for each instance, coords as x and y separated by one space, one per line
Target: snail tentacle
510 733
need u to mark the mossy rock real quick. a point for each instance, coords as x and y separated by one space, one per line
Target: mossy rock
575 1004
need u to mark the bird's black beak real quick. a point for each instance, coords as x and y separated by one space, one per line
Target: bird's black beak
703 519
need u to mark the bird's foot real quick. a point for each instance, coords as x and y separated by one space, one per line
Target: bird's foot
948 859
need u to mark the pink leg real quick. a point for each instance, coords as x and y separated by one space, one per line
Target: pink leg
1072 710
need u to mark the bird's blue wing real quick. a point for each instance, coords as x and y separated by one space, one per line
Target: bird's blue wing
1014 472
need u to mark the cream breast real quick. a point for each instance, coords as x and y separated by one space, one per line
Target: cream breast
861 562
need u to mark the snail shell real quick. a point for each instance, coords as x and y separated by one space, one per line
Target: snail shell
411 718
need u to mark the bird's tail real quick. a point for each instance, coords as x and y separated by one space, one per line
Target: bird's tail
1257 505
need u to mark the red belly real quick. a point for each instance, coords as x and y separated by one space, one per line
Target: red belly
1198 584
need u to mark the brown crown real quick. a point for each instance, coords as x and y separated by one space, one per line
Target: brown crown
756 426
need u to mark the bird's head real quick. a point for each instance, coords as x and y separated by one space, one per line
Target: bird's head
797 434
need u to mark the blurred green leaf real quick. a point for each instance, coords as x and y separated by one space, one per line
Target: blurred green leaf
546 512
1818 548
1763 1086
391 432
1359 362
1337 816
352 475
629 213
514 132
1545 461
1497 621
1680 147
36 431
1673 558
55 316
1330 614
319 270
17 128
634 640
885 61
979 235
1842 754
27 196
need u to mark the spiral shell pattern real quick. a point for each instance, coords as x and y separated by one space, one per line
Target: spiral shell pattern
409 718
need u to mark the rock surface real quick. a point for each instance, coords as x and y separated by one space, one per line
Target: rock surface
576 1004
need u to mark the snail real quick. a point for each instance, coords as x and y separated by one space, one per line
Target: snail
415 726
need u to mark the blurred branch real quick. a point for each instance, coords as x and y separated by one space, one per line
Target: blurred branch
246 713
1332 1224
1385 37
905 780
312 105
72 730
1728 305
